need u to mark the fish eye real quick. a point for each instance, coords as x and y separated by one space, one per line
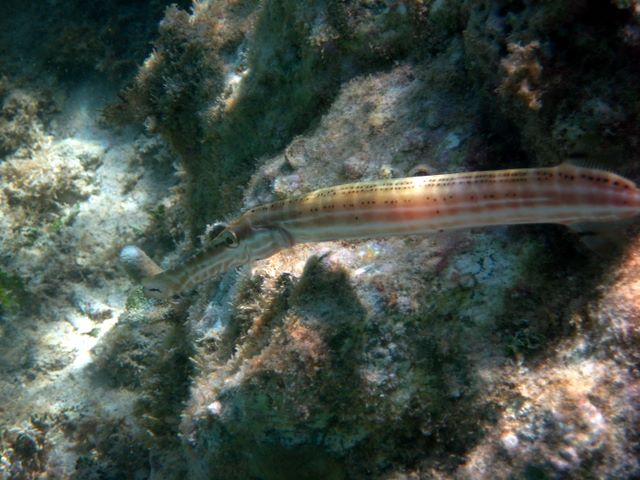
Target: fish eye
217 229
230 238
227 237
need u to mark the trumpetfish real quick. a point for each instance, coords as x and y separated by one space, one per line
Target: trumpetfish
565 194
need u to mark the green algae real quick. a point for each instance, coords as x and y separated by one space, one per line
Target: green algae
12 292
137 300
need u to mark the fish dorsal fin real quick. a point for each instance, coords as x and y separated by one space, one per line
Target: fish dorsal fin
592 168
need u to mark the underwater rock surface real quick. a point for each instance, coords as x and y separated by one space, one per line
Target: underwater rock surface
503 353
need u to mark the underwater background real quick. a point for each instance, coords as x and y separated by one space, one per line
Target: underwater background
497 353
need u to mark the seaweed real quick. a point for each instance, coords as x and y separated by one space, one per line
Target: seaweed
13 295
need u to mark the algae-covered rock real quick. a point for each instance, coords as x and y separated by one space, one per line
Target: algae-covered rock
23 113
234 81
419 357
383 354
502 353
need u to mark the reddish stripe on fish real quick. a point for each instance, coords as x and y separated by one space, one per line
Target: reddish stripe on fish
565 194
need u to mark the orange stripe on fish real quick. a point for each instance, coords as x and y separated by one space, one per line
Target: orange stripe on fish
565 194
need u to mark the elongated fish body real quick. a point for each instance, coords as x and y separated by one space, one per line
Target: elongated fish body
564 194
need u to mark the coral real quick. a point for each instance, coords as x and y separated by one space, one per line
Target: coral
523 72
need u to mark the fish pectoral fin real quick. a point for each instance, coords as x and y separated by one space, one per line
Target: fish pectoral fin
604 238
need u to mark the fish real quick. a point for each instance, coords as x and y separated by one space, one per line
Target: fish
565 194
